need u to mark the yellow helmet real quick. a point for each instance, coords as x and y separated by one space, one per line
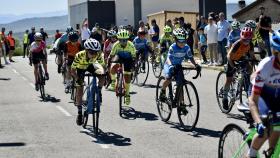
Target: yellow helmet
123 34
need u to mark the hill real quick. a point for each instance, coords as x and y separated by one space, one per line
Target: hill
49 23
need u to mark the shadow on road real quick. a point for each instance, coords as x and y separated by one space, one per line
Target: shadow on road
150 86
196 132
12 144
5 79
130 113
50 98
108 138
236 116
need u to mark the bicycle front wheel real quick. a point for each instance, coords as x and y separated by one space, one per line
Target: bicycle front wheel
231 143
157 68
120 91
188 106
142 72
164 107
41 83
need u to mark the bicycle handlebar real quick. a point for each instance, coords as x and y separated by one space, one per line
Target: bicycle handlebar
198 73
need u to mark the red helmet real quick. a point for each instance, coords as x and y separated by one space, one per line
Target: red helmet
246 33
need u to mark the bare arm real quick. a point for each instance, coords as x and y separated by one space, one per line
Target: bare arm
253 104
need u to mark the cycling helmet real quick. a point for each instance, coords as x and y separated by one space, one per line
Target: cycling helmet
69 29
235 25
123 34
275 40
38 36
180 34
167 29
250 23
246 33
112 33
73 36
92 44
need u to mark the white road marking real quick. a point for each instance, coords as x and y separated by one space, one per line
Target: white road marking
63 111
32 85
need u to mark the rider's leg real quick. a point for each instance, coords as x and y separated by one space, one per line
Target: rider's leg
256 144
113 75
273 139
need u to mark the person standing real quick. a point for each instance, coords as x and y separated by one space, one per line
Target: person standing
85 32
211 31
202 44
11 44
223 31
155 38
44 34
57 35
190 39
25 42
5 48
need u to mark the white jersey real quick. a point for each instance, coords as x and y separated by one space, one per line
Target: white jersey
267 74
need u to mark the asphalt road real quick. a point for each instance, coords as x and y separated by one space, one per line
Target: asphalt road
30 127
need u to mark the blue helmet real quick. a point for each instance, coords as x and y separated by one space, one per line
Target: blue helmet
275 40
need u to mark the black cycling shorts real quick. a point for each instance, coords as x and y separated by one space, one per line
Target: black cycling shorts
126 60
70 61
36 57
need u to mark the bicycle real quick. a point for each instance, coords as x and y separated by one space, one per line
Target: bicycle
120 88
41 78
238 88
64 70
179 98
141 70
92 103
157 67
242 138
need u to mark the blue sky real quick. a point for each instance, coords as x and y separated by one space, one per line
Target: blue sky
19 7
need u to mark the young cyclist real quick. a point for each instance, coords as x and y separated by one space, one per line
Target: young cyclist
72 47
239 50
124 52
265 97
234 34
178 51
108 45
91 60
166 40
38 52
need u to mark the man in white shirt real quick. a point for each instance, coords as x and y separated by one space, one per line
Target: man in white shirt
85 32
211 31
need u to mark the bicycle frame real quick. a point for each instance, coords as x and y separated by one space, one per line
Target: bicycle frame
119 73
91 89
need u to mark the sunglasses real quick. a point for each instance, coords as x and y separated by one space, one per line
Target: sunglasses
123 40
181 41
92 52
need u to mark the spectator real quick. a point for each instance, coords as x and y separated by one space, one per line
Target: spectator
31 36
25 43
1 49
155 36
223 31
211 32
169 23
182 23
95 34
176 23
131 33
202 44
190 39
44 34
5 48
85 32
78 29
11 44
57 35
265 27
202 23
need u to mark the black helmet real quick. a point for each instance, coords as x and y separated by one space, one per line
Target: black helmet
73 36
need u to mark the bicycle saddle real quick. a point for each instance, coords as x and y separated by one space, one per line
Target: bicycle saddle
244 107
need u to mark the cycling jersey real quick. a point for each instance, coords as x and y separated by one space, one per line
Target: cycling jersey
165 42
72 48
266 83
233 36
108 45
141 44
81 60
37 48
239 50
126 52
176 54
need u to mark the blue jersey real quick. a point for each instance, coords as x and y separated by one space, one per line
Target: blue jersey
233 36
141 44
176 54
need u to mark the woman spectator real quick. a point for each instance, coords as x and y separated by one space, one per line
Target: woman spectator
11 44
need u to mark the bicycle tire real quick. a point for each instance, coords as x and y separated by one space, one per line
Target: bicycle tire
155 67
231 128
138 71
161 104
41 83
219 94
120 91
181 111
96 111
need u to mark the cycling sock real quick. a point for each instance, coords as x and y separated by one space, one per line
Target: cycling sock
127 88
252 152
79 109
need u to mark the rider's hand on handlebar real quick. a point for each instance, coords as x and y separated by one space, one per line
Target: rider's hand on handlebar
260 129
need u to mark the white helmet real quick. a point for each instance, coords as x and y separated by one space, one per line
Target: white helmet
38 36
92 44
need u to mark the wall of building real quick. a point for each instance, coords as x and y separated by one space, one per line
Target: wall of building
216 6
272 9
78 13
124 12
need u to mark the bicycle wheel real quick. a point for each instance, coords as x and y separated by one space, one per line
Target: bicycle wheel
41 83
230 143
120 92
164 108
84 105
157 68
188 110
142 73
221 79
96 111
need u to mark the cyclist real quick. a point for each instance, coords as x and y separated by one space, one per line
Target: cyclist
72 47
142 45
91 60
266 97
234 34
108 45
178 51
125 52
59 46
38 52
166 40
239 50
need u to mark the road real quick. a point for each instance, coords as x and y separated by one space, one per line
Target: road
31 127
